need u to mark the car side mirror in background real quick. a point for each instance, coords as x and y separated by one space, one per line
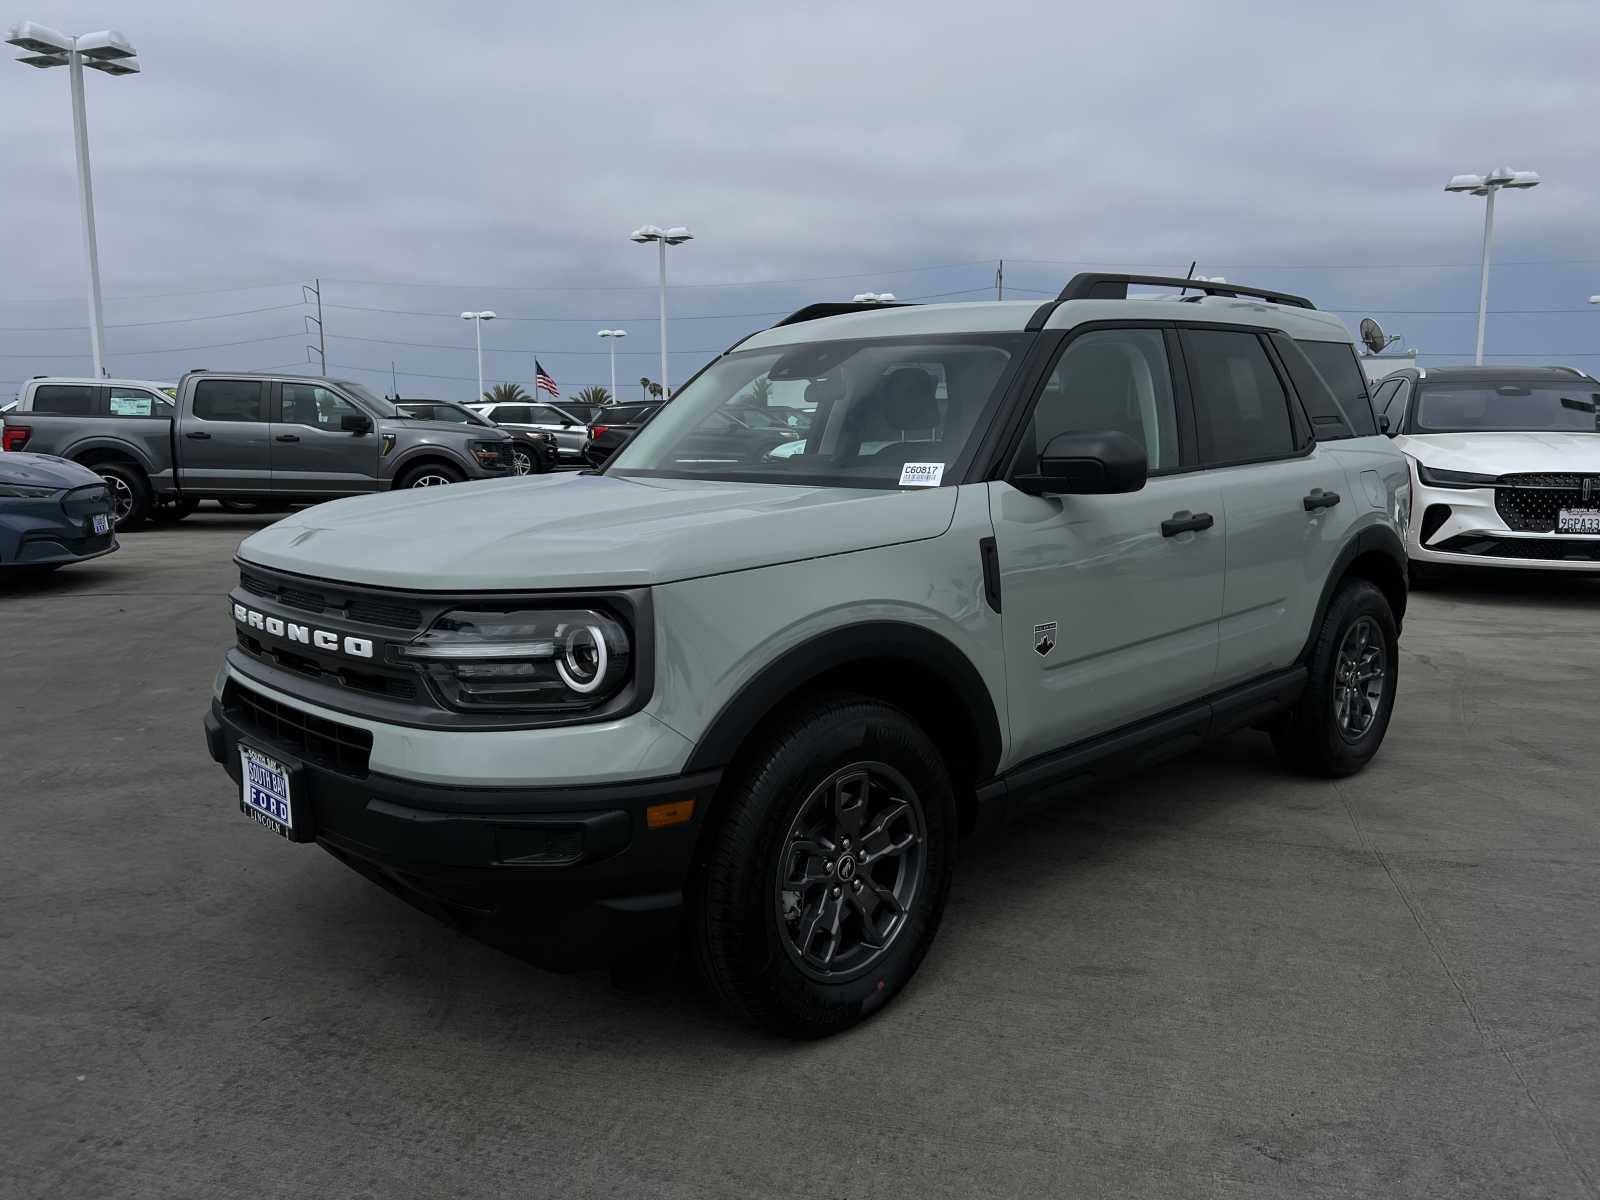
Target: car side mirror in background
1087 464
355 422
1383 424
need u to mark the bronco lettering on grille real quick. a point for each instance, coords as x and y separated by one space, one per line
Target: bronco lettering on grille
322 639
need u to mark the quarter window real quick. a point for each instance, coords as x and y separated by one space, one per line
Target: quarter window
1109 379
1341 374
229 400
1240 404
69 399
308 404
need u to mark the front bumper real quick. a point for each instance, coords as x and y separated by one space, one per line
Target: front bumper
36 533
569 876
1462 527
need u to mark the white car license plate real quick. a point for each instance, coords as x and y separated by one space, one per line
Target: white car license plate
1578 520
264 791
102 523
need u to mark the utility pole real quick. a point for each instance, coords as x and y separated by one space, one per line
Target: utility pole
315 290
1000 281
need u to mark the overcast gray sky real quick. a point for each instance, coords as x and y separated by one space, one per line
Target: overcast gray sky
505 151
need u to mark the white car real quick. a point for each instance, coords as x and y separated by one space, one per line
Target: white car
1505 465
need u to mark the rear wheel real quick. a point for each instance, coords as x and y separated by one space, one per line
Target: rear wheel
430 475
130 493
1341 719
825 878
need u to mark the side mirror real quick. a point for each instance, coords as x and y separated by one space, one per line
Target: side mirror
1383 424
566 424
355 422
1087 464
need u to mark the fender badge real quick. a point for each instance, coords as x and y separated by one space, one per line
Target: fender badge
1044 638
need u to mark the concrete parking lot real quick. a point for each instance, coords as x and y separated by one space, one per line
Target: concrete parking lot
1212 980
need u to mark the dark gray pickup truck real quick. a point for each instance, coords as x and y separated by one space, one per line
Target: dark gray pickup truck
262 439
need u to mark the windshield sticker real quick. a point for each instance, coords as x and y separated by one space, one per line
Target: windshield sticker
921 474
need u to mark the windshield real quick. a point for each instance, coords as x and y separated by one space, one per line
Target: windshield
443 411
1508 407
624 414
884 413
370 399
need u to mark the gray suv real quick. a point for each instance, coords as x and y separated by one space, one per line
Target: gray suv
760 698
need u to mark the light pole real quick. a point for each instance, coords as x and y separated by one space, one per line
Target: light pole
1486 186
477 319
106 51
663 238
611 336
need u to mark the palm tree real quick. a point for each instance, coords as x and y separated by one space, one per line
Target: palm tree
645 385
595 394
506 393
760 392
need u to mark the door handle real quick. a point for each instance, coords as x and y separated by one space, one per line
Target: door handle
198 435
1320 499
1185 521
287 437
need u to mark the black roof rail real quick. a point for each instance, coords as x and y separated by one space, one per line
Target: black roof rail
833 308
1090 285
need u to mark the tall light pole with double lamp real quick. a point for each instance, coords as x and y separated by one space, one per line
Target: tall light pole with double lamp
109 52
611 336
1486 186
663 238
477 319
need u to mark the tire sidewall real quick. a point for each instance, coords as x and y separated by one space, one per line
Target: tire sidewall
781 783
408 480
1353 601
136 483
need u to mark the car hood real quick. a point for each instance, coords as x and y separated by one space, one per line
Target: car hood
486 433
1505 453
43 470
579 530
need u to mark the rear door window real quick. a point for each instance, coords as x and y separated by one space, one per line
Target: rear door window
512 414
1337 364
136 402
1241 407
67 399
239 400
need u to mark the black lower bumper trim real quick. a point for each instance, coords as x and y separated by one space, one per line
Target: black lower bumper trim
566 875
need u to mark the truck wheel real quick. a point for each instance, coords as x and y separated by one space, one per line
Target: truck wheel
526 459
430 475
1340 721
130 493
167 511
823 882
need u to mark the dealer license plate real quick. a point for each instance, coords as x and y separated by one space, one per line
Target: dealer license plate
264 791
1578 520
102 523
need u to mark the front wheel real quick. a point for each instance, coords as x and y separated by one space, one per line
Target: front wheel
1340 721
130 493
527 459
825 877
430 475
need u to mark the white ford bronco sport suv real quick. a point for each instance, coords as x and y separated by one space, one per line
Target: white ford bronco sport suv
757 699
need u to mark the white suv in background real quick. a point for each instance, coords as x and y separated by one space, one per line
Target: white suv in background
569 424
1505 465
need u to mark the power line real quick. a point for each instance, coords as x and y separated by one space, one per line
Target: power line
1217 266
405 312
247 287
277 337
244 312
350 337
634 287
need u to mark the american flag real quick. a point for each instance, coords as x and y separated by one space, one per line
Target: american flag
543 380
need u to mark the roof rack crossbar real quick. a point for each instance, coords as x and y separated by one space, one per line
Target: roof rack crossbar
1091 285
833 308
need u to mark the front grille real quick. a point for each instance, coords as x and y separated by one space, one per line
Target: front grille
327 743
1530 503
355 606
1532 549
395 687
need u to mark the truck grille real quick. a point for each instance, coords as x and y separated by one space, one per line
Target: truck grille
1529 503
355 606
327 743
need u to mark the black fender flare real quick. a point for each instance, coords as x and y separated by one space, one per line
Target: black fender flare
791 671
409 458
1374 539
95 443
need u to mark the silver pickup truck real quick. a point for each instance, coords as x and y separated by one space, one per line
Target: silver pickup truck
267 439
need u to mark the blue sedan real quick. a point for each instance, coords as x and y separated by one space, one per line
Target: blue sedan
52 512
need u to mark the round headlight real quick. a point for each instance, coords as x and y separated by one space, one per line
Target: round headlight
583 657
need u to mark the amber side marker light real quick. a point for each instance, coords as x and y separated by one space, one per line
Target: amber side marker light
659 816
